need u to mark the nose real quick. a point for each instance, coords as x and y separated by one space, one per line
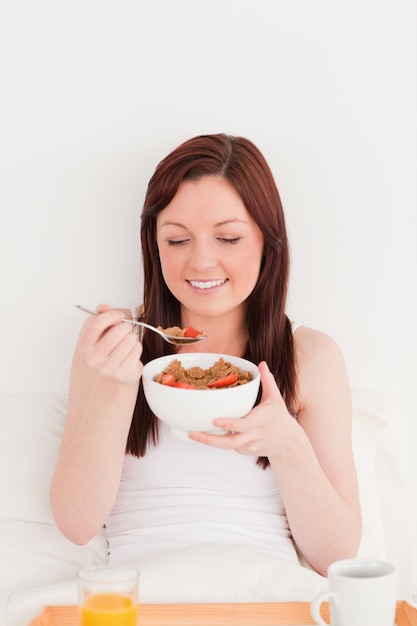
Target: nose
202 257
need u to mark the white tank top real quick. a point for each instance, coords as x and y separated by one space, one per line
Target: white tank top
184 494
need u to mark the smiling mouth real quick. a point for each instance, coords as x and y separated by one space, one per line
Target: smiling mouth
207 284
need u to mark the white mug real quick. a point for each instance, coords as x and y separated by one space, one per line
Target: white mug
362 592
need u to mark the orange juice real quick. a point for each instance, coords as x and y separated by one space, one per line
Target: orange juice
108 609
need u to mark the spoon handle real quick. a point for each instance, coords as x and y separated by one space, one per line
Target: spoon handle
91 312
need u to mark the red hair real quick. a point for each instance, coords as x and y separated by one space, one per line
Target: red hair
238 161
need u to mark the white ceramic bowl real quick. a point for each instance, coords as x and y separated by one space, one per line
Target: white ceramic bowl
195 409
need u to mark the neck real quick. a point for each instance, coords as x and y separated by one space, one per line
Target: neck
224 336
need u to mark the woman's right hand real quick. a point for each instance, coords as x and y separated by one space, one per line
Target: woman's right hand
109 347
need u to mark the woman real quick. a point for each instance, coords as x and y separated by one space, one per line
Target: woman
215 256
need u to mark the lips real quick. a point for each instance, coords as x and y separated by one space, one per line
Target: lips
207 284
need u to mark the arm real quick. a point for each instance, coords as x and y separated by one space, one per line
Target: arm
312 456
318 480
104 381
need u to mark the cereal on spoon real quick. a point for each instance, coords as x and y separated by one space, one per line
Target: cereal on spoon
176 331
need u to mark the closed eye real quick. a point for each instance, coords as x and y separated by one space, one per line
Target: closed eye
176 242
232 240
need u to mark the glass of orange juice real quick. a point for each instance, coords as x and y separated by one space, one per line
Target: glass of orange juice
108 596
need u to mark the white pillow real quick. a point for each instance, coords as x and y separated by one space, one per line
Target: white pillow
33 551
386 511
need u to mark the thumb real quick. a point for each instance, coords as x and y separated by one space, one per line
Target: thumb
269 386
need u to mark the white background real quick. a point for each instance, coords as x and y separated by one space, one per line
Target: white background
95 92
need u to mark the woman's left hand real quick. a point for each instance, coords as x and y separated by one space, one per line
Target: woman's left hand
262 432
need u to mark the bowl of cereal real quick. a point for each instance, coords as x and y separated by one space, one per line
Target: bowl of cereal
188 391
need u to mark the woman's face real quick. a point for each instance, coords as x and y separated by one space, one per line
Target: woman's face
209 246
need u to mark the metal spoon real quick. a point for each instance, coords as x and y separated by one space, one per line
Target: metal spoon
177 341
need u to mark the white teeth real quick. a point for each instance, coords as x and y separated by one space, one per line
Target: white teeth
207 284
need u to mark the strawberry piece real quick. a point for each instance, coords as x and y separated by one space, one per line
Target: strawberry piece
226 381
191 332
183 385
168 379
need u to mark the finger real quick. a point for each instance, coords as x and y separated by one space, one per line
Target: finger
122 349
113 337
124 361
100 308
229 441
98 325
129 371
218 441
232 425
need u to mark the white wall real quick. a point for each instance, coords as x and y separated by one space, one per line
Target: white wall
95 92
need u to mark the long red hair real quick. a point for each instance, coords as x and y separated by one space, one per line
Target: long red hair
238 161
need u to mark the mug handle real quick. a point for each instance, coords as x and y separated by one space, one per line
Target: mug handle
316 604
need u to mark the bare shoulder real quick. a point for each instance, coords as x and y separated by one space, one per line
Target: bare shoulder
314 344
321 368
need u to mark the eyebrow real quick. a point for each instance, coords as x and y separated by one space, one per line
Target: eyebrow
223 223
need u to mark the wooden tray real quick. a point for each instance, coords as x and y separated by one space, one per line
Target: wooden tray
251 614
